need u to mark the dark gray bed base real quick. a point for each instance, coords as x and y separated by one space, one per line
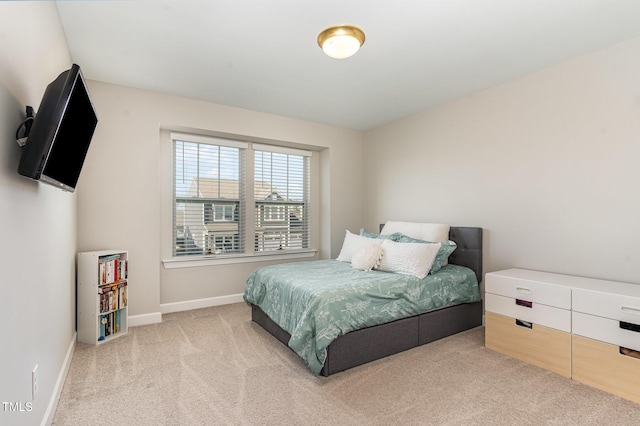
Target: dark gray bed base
372 343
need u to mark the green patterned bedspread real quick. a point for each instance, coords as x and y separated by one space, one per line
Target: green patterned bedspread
317 301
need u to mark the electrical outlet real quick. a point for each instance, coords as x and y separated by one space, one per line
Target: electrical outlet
34 382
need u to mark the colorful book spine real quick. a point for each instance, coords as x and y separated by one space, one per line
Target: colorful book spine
122 296
103 322
113 297
110 268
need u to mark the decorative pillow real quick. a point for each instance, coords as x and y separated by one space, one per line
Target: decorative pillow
367 258
446 248
437 232
395 236
352 243
408 258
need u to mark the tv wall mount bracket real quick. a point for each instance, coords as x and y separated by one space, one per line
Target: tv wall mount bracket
25 127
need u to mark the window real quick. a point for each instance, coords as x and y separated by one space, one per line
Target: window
224 213
281 188
274 213
212 198
208 180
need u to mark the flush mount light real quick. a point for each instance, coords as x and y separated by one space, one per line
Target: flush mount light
341 41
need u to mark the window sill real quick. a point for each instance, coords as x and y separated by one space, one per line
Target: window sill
192 262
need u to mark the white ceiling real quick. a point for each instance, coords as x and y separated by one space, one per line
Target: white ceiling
263 55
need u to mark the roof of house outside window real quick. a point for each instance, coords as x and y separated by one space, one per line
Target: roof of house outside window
230 189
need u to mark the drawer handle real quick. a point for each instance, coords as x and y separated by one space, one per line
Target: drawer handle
630 310
525 324
629 352
524 303
524 290
630 326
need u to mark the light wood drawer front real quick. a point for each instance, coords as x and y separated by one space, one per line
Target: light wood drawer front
608 305
604 329
541 346
533 291
548 316
602 366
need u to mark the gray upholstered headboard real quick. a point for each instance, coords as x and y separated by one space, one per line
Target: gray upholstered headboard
469 251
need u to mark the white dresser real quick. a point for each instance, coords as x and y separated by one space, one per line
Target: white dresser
528 316
605 322
577 327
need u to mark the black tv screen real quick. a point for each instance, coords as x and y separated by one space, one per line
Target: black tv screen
61 132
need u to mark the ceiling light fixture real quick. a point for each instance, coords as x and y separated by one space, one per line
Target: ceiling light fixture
341 41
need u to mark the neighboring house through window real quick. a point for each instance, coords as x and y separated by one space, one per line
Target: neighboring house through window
281 186
211 197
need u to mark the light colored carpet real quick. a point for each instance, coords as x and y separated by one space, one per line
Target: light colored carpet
214 366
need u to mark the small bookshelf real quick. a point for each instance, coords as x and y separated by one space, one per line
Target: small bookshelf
102 294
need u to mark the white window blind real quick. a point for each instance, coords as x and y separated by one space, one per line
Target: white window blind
209 207
281 197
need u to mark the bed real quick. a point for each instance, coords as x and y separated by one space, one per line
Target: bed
350 345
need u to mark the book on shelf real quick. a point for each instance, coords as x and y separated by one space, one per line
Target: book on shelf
113 296
103 302
109 324
122 296
122 269
103 323
112 269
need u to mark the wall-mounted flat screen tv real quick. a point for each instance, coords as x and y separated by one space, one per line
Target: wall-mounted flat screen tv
60 133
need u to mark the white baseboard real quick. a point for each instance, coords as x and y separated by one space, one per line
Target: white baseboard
57 390
144 319
167 308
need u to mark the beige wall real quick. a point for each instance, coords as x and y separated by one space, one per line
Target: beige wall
546 164
122 193
37 254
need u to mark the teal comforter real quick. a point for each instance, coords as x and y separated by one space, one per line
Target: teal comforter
317 301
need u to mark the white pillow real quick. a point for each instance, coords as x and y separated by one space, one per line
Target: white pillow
437 232
367 258
408 258
352 243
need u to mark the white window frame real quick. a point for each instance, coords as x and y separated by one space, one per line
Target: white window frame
224 212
